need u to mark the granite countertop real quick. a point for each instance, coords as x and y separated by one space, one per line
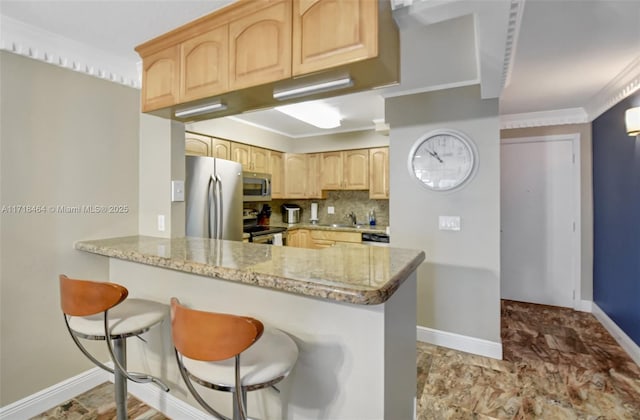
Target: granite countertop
363 229
358 274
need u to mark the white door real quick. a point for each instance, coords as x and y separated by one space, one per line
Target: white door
537 221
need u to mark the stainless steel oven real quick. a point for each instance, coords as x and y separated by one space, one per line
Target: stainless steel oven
256 186
265 234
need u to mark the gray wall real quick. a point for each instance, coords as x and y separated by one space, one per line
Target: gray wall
66 139
459 283
586 192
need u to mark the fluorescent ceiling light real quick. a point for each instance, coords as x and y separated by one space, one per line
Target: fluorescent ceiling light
298 91
315 113
203 109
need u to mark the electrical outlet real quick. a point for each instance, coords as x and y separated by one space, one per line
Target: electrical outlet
449 223
331 210
161 222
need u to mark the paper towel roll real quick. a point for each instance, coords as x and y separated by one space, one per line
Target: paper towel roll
314 211
277 239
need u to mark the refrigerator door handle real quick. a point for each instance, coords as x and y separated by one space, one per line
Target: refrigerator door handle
220 213
210 199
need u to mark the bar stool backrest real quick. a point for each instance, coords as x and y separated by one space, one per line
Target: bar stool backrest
84 297
210 336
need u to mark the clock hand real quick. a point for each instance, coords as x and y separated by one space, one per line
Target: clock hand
435 155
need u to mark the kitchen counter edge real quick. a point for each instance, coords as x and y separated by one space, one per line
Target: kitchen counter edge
340 292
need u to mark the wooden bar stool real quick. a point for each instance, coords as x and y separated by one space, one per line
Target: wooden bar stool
206 342
101 311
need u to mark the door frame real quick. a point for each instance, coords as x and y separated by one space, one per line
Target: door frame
576 196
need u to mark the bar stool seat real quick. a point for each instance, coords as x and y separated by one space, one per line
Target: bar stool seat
229 353
129 318
266 362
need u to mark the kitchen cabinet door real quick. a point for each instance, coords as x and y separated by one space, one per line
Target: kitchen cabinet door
276 161
241 153
379 173
220 148
331 171
299 238
260 160
196 145
295 175
329 33
260 46
204 68
313 189
160 79
356 169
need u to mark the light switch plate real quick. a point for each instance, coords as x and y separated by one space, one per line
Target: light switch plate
161 222
331 210
177 190
449 223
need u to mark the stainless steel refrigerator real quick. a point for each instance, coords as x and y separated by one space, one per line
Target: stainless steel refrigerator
213 196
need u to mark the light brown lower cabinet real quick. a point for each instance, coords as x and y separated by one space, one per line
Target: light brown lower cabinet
318 239
299 238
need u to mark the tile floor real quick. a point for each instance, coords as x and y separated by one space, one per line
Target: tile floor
558 364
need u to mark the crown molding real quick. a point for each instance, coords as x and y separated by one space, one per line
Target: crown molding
626 83
513 31
544 118
27 40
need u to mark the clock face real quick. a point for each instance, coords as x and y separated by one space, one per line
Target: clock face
443 160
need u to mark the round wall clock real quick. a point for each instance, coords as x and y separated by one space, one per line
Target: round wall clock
443 160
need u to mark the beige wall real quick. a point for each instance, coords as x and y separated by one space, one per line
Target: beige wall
229 129
65 139
586 192
340 141
459 283
161 147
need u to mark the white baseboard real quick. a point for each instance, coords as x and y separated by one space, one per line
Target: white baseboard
620 336
61 392
166 403
584 306
57 394
460 342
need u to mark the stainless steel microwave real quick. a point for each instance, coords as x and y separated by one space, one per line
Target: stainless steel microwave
256 186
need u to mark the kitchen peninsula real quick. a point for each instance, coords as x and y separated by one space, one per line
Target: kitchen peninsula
351 311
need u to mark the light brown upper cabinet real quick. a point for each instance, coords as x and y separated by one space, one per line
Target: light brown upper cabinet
260 46
329 33
204 68
239 55
313 189
379 173
220 148
295 175
252 158
160 79
346 170
197 145
276 163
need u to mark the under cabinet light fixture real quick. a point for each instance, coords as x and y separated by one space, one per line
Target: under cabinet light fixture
632 121
203 109
299 91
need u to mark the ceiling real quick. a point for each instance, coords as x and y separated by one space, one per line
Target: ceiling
560 55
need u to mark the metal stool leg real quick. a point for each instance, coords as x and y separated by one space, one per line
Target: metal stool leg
236 410
120 380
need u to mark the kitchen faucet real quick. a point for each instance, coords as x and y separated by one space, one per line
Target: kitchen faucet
352 216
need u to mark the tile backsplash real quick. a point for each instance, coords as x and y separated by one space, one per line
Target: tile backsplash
343 202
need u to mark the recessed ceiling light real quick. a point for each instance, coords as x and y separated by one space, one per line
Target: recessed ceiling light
316 113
